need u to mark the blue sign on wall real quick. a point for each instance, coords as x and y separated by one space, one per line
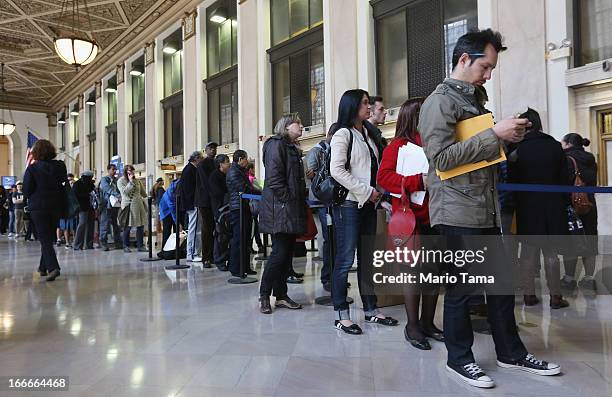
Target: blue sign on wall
116 160
8 181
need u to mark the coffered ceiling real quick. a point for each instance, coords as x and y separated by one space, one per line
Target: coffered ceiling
34 72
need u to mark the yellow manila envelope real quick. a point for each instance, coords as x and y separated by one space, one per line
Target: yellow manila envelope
465 130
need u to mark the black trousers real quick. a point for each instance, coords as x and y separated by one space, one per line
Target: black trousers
236 248
46 224
274 278
458 333
208 225
168 226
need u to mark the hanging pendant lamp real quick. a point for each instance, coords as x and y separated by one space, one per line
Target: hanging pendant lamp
73 46
7 124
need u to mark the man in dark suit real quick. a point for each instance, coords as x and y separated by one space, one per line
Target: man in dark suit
187 198
202 201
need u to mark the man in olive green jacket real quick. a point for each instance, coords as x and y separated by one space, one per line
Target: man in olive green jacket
468 204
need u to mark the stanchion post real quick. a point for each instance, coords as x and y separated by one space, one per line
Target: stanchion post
177 258
243 279
150 258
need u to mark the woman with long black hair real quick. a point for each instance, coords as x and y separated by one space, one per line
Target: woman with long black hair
356 216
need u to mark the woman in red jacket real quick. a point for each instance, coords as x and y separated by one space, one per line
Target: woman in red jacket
417 330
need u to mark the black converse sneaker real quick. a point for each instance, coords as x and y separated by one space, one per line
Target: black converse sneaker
471 374
533 365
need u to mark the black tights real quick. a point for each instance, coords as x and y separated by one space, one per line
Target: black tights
416 326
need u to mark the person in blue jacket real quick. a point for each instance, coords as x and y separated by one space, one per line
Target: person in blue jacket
167 211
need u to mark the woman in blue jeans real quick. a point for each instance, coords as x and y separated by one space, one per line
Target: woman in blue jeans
356 216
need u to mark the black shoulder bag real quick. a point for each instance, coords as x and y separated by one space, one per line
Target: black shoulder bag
324 187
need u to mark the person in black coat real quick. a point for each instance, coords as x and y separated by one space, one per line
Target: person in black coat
218 198
282 210
202 201
237 182
83 236
3 211
573 145
43 184
187 204
539 159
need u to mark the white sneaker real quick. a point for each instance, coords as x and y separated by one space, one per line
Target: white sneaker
10 235
472 375
531 364
195 259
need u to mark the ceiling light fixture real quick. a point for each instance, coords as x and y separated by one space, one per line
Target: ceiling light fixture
7 125
170 49
219 15
75 47
61 120
110 90
137 70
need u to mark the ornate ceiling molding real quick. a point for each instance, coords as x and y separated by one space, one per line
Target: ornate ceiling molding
37 78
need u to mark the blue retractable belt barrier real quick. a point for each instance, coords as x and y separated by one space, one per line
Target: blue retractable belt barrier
257 197
525 187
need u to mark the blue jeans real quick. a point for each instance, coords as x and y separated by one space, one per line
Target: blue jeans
11 224
458 333
108 221
139 236
326 269
351 224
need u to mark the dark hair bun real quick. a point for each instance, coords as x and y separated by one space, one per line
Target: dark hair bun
585 142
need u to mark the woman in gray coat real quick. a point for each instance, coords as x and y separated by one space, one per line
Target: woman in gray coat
282 211
133 195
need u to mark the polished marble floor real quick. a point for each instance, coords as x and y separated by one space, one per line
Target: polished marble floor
120 327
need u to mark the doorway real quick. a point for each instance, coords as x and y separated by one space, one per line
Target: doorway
604 128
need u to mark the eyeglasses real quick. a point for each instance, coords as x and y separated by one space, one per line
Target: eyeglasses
476 54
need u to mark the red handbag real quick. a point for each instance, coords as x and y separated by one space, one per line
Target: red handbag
401 229
311 227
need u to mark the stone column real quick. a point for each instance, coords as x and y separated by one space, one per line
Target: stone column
101 138
348 49
123 127
153 130
191 84
254 99
83 142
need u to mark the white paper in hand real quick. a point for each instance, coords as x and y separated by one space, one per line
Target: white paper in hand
411 160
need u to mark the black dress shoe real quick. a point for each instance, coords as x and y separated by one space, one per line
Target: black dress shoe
557 302
53 275
294 280
432 332
390 321
419 344
297 275
264 305
287 303
354 329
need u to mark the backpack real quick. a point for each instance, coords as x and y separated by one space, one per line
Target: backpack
324 187
223 226
580 201
93 200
